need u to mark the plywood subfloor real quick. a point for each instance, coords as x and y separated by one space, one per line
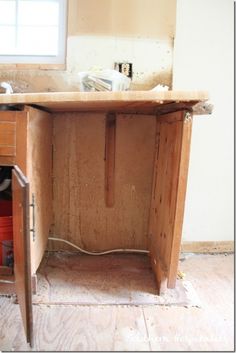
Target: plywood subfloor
70 278
136 327
127 279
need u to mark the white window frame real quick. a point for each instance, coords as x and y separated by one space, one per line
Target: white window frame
45 59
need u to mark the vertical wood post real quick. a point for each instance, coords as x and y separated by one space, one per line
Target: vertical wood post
180 198
168 195
110 152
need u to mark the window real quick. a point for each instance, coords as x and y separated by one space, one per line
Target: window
33 31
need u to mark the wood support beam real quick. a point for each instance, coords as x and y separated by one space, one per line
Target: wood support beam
110 151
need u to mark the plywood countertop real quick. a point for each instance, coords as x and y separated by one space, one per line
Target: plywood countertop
126 102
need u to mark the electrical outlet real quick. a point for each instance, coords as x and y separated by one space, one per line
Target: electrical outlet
125 68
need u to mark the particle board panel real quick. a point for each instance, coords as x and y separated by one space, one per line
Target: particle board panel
39 172
169 185
80 212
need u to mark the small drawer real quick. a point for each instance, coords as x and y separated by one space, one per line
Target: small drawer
7 138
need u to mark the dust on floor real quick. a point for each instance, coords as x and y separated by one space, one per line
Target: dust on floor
75 326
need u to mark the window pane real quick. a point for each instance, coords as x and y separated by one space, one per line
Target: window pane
38 12
7 12
37 40
7 40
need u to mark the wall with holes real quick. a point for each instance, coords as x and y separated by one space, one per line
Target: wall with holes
103 32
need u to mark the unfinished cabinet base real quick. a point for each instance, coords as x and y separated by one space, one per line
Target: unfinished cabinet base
104 170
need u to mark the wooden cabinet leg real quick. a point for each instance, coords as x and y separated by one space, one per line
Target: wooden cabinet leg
168 194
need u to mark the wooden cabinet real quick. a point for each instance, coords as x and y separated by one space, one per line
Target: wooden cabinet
88 161
13 138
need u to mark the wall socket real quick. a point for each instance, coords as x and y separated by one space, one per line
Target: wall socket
125 68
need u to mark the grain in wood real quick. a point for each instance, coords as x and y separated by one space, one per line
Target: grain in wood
80 212
39 172
168 195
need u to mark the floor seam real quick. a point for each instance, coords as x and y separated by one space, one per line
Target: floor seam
147 332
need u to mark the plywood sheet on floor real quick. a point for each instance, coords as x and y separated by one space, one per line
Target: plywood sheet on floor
71 278
136 328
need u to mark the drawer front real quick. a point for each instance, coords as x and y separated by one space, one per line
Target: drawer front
7 138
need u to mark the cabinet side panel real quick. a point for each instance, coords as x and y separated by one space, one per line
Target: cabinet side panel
180 200
81 213
168 196
39 172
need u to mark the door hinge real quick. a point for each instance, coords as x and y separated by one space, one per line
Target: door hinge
32 230
187 117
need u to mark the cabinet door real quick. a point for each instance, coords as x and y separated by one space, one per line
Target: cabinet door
21 241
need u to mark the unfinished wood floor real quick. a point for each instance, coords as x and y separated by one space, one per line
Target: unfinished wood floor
136 327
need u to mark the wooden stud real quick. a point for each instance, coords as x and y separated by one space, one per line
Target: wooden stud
110 151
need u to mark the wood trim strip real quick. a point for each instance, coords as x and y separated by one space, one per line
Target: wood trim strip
208 246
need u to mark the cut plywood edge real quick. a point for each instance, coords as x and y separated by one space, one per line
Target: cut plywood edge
126 101
207 246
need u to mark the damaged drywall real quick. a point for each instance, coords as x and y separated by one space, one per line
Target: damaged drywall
142 34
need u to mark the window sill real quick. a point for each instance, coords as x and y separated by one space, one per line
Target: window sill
61 67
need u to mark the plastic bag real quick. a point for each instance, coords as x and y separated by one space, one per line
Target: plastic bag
103 80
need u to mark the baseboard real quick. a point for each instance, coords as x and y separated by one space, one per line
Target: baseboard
207 246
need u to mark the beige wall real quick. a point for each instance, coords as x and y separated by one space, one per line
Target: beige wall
144 18
101 32
204 59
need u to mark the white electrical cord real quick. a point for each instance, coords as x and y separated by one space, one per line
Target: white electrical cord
5 281
100 253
